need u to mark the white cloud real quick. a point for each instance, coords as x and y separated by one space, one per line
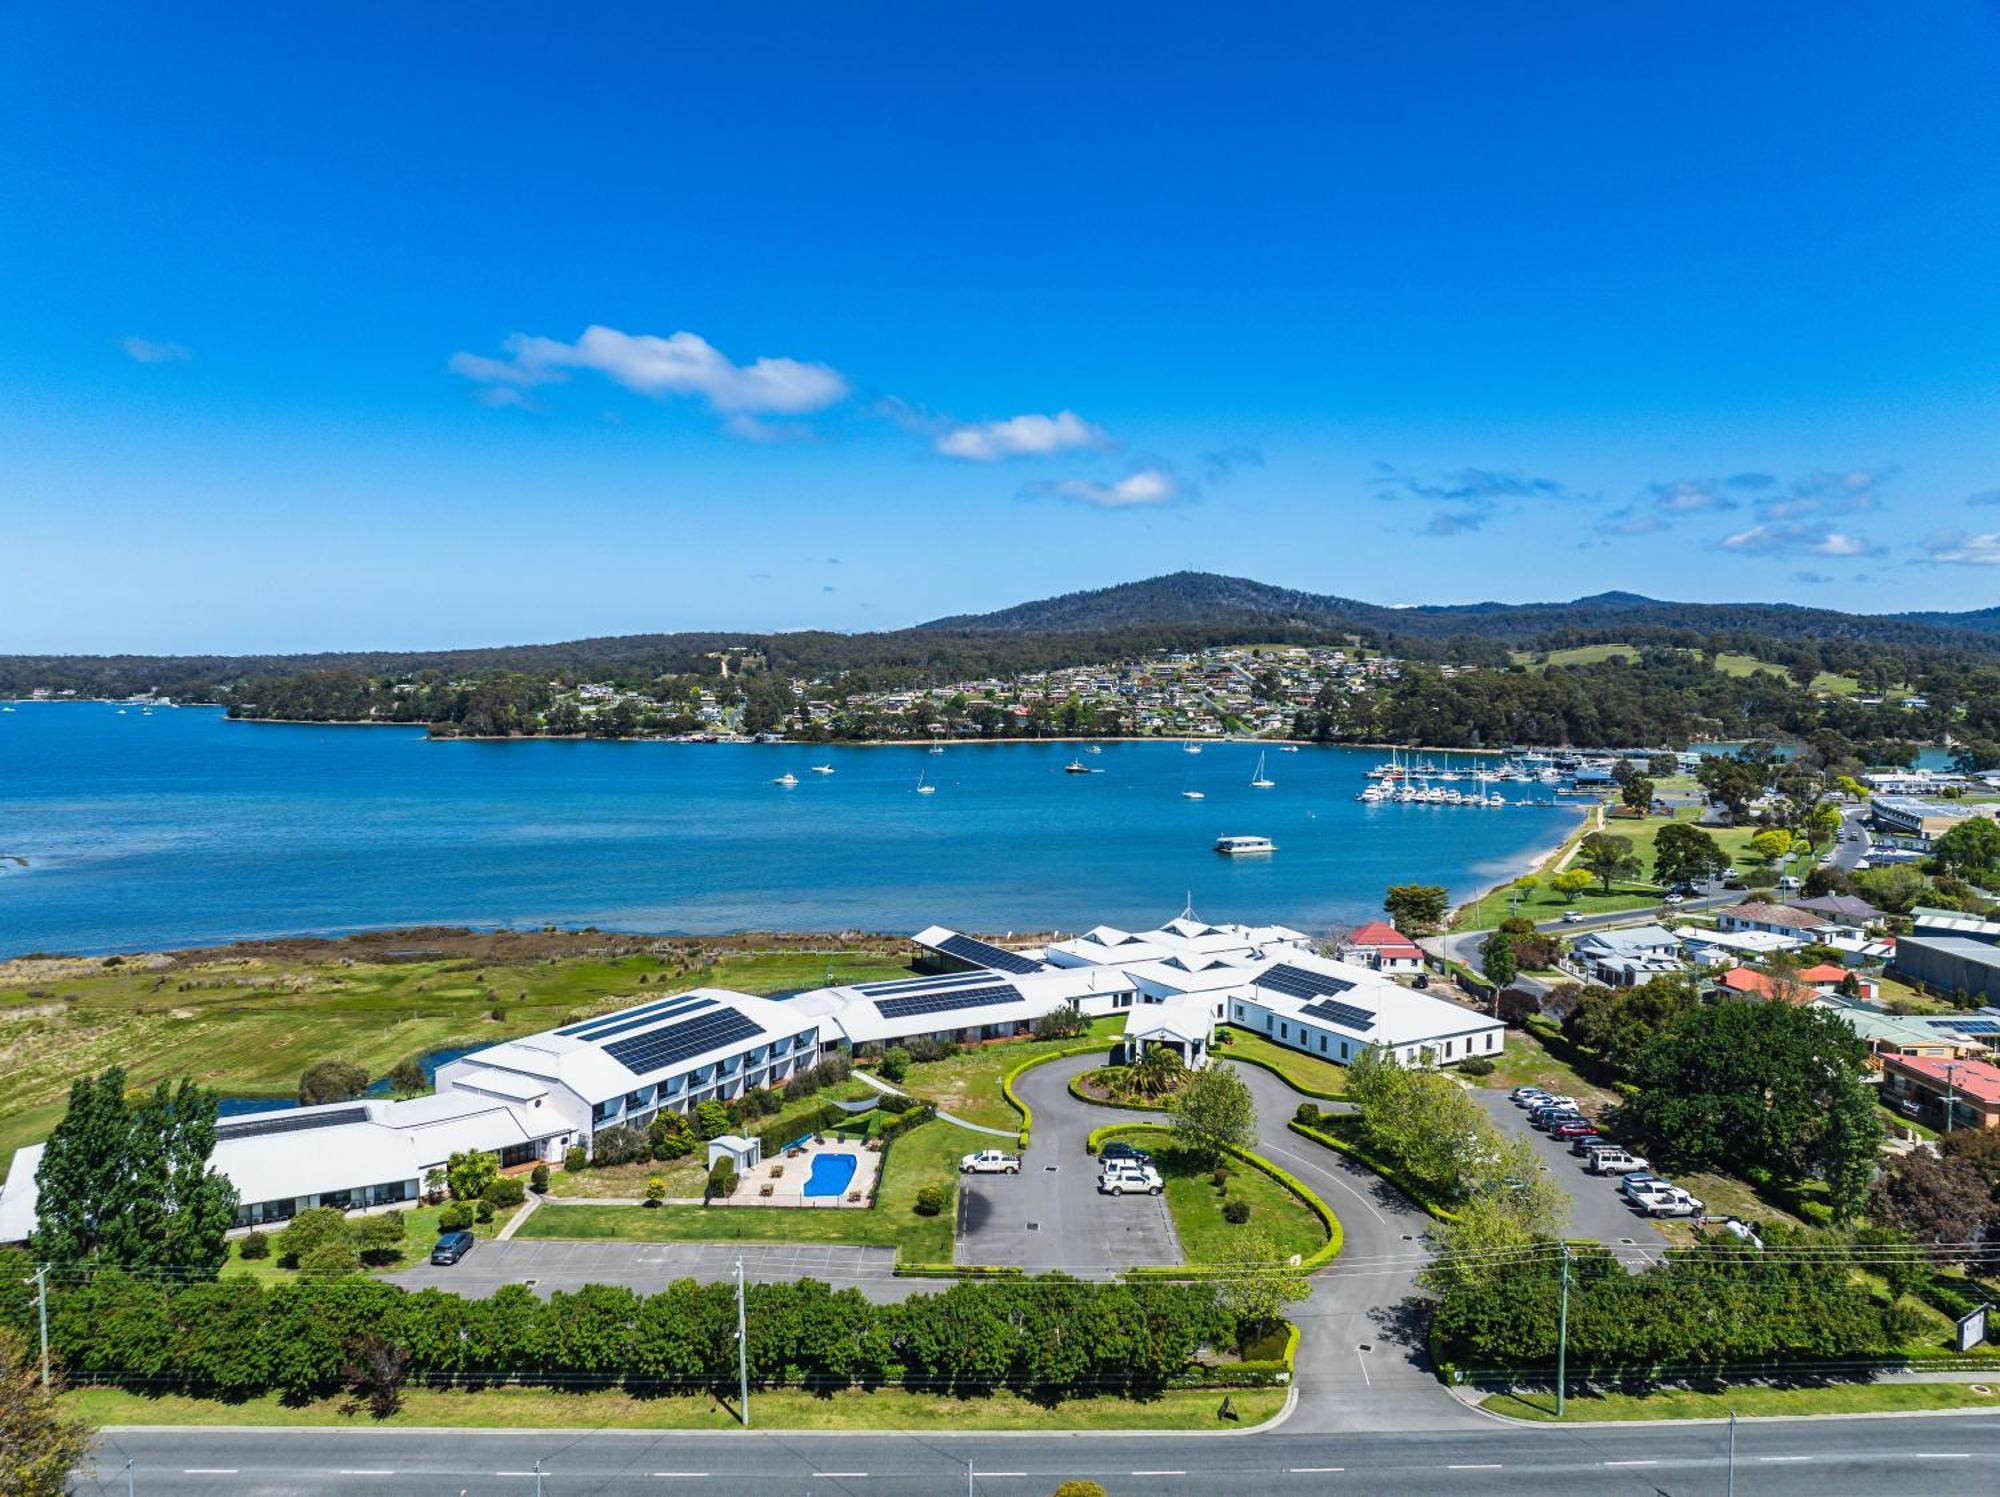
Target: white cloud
1960 549
146 351
680 364
1797 538
1137 490
1022 436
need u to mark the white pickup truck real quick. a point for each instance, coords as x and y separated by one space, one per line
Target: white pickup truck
1668 1200
990 1162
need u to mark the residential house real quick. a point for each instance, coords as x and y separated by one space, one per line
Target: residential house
1779 919
1381 946
1841 909
1624 958
1951 1093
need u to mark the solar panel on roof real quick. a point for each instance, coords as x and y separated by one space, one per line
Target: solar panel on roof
1297 982
940 983
660 1048
938 1003
986 954
1346 1015
290 1122
1967 1026
658 1013
629 1013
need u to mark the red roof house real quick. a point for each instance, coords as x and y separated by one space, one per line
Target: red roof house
1382 946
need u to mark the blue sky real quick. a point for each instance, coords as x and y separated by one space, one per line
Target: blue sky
368 325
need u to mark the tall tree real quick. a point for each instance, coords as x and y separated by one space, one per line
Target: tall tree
1214 1111
331 1081
1416 909
1943 1203
1685 854
41 1446
1608 857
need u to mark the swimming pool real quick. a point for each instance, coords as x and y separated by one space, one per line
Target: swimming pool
831 1174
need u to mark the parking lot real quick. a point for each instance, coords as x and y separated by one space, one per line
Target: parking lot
650 1266
1597 1210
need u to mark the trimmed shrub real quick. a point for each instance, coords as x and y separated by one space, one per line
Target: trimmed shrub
505 1193
482 1210
930 1200
574 1160
455 1218
1236 1211
656 1189
539 1180
721 1179
1478 1065
1307 1113
307 1230
335 1258
895 1063
254 1245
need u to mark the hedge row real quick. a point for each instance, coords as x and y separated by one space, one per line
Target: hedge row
1224 1052
1076 1091
1361 1154
1335 1234
237 1338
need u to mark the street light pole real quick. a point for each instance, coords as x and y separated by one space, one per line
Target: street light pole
742 1344
41 1283
1732 1453
1562 1335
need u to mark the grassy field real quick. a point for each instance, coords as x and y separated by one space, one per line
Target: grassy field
778 1408
1826 683
1206 1236
420 1231
924 1155
1748 1402
684 1177
1527 1062
247 1022
968 1085
1307 1072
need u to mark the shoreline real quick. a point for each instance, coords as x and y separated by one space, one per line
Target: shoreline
1533 863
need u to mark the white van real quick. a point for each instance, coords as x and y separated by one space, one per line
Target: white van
1613 1162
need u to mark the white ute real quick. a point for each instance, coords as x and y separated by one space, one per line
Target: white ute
990 1162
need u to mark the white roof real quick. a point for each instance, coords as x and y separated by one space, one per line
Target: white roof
857 1010
1389 1013
1184 937
17 1196
1180 1021
1756 942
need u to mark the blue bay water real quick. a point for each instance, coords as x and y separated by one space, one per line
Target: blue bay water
181 828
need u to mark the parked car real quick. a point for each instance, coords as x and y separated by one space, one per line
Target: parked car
1614 1162
451 1247
1730 872
1119 1149
1574 1128
1583 1144
1790 882
1572 917
1674 898
990 1162
1522 1095
1637 1182
1122 1177
1668 1200
1551 1113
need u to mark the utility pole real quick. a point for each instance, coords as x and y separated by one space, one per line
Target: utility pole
41 1283
1950 1093
1732 1453
742 1344
1562 1334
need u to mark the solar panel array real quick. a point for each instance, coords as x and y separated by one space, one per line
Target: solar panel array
986 954
1346 1015
289 1122
1297 982
660 1048
655 1007
941 982
1967 1026
946 1001
656 1014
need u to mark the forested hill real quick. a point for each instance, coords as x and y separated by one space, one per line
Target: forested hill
1187 610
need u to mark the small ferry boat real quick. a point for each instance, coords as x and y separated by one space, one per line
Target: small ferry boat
1077 766
1236 847
1091 748
787 779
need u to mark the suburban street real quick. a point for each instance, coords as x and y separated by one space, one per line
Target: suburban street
1937 1456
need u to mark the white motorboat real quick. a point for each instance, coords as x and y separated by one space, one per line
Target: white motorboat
1077 766
787 779
1236 847
937 748
822 769
1192 795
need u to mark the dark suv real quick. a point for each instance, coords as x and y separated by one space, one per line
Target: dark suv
451 1247
1117 1150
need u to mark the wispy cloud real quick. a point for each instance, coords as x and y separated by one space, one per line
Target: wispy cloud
1956 548
1825 492
1139 489
146 351
1797 538
1022 436
1470 496
1225 463
680 364
1810 579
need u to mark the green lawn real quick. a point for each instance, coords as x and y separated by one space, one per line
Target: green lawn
420 1231
1675 1403
968 1085
1196 1205
250 1024
1307 1072
1526 1062
778 1408
1576 655
923 1155
684 1177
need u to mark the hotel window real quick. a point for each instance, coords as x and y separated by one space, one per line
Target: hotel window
1490 1038
1343 1049
1284 1031
1447 1048
1322 1044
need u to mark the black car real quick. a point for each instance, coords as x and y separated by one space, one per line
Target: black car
451 1247
1117 1150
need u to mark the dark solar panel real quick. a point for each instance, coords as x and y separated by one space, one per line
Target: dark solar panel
985 954
1297 982
939 1003
657 1014
1967 1026
290 1122
942 983
630 1013
661 1048
1346 1015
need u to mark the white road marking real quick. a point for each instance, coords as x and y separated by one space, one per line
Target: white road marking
1159 1473
1364 1369
1944 1455
1367 1205
1313 1470
840 1473
1631 1463
345 1472
681 1473
983 1474
1780 1460
209 1471
1484 1466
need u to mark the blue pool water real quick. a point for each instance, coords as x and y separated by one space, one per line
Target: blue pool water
830 1174
182 828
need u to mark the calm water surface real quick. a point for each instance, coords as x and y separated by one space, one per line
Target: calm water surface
181 828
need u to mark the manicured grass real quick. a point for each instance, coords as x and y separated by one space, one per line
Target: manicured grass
777 1408
684 1177
1307 1072
1745 1402
1526 1062
420 1231
1196 1205
249 1025
922 1156
968 1085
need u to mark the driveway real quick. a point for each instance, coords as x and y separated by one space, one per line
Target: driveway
1597 1210
1050 1215
650 1266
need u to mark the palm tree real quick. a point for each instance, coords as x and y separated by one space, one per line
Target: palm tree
1157 1071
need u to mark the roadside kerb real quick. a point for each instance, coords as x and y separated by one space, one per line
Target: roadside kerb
1008 1079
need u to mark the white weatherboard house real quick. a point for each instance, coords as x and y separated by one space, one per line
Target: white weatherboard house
529 1100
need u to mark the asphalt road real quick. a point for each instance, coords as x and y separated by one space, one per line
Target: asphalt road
1597 1210
1956 1456
1050 1215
